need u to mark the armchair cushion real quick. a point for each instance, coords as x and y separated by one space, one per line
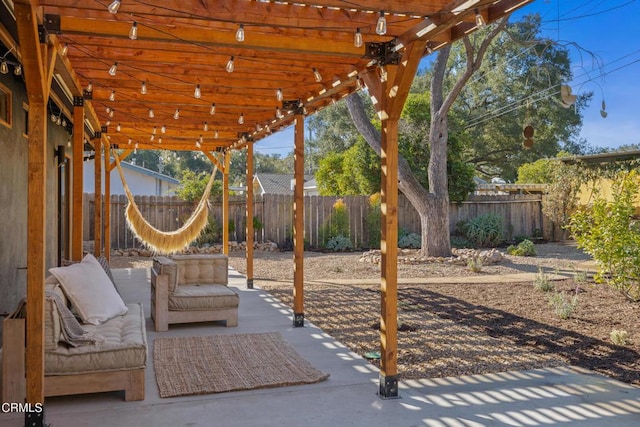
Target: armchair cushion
203 297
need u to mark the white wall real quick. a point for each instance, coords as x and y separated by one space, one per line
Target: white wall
139 184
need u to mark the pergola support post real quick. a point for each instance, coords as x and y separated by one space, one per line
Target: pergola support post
225 202
97 214
78 178
249 216
107 202
298 223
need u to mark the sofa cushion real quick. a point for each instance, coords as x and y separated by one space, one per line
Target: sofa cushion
203 297
51 317
202 269
125 347
164 265
90 290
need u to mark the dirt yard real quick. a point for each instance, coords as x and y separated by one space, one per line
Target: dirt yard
457 329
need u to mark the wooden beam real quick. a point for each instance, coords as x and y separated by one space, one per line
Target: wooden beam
225 201
249 216
405 73
389 250
298 223
78 178
107 200
121 158
38 95
97 212
221 167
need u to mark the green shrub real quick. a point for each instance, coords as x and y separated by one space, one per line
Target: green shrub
606 231
410 241
542 282
374 215
338 223
475 264
524 248
563 306
619 337
211 234
486 230
460 242
339 244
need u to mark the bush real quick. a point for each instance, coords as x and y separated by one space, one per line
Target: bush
542 282
524 248
212 233
619 337
606 231
337 224
562 305
410 241
339 244
475 264
460 242
374 215
485 230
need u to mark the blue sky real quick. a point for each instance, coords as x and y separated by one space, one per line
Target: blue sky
604 28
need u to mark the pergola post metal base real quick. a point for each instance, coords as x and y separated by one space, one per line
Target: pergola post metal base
298 320
388 387
249 283
34 419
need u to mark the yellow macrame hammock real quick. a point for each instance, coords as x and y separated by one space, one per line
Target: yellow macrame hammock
167 242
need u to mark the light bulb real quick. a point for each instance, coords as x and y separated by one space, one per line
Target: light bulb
108 110
114 6
90 87
18 70
317 75
113 69
357 39
198 144
152 137
205 127
160 140
64 122
111 113
381 25
163 129
143 88
4 67
200 139
112 95
241 119
107 123
240 34
65 49
129 141
151 114
58 121
215 134
230 67
53 118
154 130
278 113
279 94
479 20
197 93
118 128
133 32
176 115
212 110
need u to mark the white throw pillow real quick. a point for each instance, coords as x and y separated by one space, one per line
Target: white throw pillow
90 290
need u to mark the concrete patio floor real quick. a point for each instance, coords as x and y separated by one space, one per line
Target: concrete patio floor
560 396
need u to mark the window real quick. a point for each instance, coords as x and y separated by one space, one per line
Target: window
5 106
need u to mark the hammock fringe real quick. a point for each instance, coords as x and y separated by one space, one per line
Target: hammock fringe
167 242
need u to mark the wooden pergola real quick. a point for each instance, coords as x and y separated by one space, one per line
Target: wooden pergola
213 77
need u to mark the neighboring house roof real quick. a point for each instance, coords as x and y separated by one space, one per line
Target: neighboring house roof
273 183
149 172
612 156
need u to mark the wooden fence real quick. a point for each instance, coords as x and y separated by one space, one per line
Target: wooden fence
522 215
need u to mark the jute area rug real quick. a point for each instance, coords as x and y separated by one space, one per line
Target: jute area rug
214 364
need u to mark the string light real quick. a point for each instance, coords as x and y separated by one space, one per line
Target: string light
111 113
4 67
197 93
118 128
65 49
152 137
279 96
212 110
479 19
90 87
357 39
151 113
279 113
198 145
381 25
240 34
154 130
113 69
130 141
18 70
241 119
114 6
133 32
317 75
160 140
143 88
163 129
176 115
230 66
108 123
112 95
205 127
215 134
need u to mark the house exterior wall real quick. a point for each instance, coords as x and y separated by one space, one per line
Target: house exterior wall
139 184
13 197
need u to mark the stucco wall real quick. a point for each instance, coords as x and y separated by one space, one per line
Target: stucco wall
13 197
